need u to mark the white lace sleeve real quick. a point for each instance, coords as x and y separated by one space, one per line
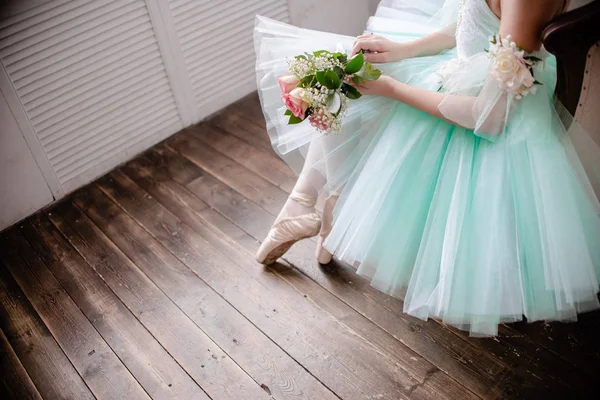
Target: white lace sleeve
483 89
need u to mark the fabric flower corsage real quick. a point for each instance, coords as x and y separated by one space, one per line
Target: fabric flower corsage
511 67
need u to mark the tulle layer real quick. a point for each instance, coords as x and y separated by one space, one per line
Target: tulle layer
467 230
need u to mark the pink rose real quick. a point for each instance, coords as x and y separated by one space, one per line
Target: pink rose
295 102
287 82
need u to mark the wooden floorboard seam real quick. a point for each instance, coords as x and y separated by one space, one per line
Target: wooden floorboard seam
228 302
109 289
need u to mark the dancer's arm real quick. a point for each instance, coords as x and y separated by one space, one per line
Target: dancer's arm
382 50
522 22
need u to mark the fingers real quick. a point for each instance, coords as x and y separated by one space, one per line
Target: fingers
376 57
366 35
370 43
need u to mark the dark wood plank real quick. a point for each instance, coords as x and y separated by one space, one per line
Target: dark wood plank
143 356
247 345
50 370
252 186
15 383
567 338
181 203
576 342
101 369
185 246
262 162
301 256
251 109
468 364
238 124
203 360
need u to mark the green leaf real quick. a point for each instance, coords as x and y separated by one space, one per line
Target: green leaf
341 57
532 58
287 112
294 120
369 73
350 91
307 81
301 56
321 52
355 64
334 78
339 71
357 80
329 79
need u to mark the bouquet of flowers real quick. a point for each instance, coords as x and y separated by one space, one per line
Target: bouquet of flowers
319 86
512 68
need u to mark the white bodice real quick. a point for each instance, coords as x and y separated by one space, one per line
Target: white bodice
476 23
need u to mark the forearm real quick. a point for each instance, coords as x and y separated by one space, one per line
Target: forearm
422 99
458 110
429 45
429 101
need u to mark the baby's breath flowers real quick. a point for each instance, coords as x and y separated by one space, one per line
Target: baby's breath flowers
319 86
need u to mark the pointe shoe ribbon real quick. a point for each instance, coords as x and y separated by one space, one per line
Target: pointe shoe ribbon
289 230
323 255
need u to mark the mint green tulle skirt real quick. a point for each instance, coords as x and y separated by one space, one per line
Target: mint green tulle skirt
466 230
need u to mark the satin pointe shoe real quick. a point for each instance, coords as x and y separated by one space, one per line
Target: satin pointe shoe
289 230
323 255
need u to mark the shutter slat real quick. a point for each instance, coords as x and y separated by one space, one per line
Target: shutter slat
65 124
155 116
38 14
104 88
27 34
40 56
57 75
217 36
105 125
216 90
64 89
215 13
205 26
125 151
92 80
181 11
223 43
80 144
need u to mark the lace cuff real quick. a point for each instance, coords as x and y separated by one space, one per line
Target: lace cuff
483 89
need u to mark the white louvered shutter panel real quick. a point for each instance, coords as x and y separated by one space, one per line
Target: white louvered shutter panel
91 78
217 47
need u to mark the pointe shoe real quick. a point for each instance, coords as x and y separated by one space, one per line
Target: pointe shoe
323 255
289 230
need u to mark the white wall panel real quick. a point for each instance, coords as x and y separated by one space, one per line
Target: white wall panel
216 42
347 17
91 79
91 83
23 188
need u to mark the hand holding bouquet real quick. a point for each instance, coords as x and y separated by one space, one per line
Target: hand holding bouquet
319 86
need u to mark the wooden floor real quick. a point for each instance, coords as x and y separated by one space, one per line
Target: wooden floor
143 284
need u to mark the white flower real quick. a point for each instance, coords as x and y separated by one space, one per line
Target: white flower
511 68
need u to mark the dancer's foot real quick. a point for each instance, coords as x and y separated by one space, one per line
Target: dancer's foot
297 220
323 255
